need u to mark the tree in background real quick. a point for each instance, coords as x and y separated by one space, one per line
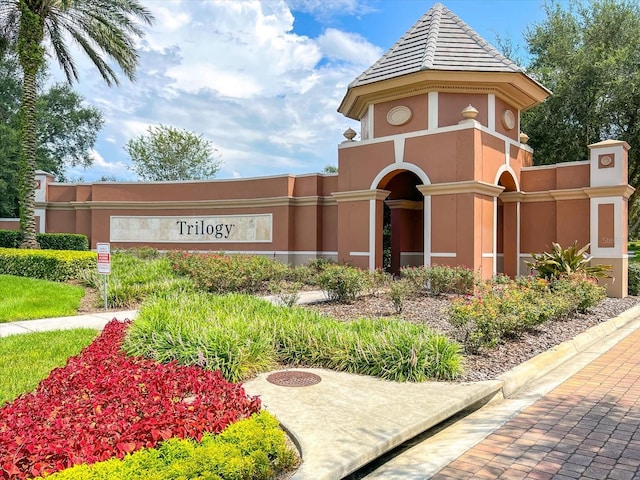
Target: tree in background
66 131
169 153
588 55
330 169
9 133
98 27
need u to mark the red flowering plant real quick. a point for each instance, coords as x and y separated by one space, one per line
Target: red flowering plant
104 404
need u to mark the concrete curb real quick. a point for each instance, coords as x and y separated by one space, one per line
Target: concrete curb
343 465
524 384
516 378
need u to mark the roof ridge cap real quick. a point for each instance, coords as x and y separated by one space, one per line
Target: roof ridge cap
393 48
432 37
481 42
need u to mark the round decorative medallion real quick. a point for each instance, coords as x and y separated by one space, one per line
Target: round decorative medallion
508 119
399 115
293 378
606 160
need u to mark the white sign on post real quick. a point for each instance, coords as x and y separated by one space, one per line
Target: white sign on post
104 265
104 258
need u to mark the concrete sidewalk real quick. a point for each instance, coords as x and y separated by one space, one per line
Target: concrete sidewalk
98 320
345 421
90 320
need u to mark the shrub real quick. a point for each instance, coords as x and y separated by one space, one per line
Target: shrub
47 241
318 265
399 291
565 261
342 283
219 273
63 241
501 279
309 273
10 238
301 274
251 448
440 279
502 310
124 404
242 335
379 280
634 278
285 293
56 265
144 252
583 291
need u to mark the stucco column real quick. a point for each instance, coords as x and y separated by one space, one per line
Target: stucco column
42 179
510 239
609 194
510 233
469 235
360 218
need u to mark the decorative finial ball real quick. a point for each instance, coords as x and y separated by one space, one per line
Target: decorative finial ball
349 134
470 112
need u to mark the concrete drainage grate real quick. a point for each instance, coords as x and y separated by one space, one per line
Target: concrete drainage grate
293 378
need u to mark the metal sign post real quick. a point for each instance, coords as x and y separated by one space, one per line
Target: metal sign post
104 265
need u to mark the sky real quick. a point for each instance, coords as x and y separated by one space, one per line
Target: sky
262 80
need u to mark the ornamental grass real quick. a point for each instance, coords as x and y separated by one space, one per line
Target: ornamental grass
241 335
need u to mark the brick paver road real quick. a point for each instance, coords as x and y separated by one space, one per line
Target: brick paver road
587 427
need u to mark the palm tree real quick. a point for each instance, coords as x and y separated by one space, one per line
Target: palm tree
100 28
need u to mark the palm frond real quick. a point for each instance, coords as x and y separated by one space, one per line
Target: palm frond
105 30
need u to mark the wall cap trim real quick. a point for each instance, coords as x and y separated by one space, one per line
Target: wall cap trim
610 143
610 191
192 204
568 194
472 186
556 165
360 195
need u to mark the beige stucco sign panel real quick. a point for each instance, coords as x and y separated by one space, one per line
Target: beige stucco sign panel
192 229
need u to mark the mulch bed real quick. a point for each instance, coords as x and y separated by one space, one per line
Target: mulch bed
489 363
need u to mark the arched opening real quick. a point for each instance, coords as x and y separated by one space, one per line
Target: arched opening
506 236
402 236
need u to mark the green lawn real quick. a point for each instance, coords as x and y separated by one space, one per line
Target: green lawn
23 298
25 359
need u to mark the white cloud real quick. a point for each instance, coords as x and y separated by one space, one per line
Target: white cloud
237 49
349 47
168 20
236 72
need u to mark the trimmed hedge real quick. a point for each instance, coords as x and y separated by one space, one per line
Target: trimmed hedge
10 238
251 448
47 241
63 241
56 265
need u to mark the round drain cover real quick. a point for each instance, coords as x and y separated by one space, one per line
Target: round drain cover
293 378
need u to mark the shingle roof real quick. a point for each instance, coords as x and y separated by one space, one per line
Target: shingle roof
438 41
